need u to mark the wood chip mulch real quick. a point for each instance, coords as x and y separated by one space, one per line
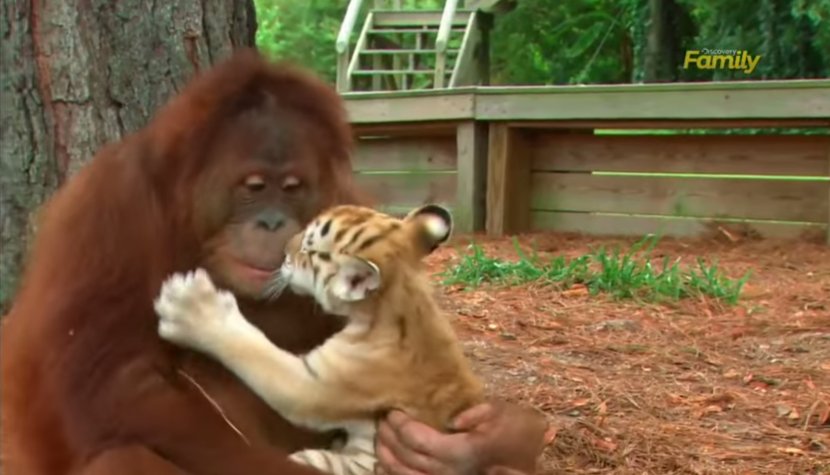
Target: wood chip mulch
690 387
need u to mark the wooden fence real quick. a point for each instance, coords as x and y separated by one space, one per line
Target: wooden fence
444 163
509 160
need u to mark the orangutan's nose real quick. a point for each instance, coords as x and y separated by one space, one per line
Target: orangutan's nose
270 220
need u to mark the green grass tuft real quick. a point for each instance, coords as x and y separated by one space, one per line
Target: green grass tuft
625 275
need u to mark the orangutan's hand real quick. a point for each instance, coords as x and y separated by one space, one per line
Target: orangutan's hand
494 439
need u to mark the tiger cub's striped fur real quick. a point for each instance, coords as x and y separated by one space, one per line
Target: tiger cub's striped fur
397 349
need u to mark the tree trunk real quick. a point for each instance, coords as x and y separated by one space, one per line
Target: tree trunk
655 37
78 74
669 28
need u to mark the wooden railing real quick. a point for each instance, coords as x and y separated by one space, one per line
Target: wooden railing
472 63
516 159
441 43
342 45
390 33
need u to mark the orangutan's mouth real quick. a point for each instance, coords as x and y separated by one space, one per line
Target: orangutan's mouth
256 273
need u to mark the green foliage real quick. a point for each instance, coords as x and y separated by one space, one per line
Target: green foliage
588 41
792 36
604 41
565 42
625 275
301 32
305 31
268 27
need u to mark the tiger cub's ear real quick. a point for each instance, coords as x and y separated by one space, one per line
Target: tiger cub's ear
432 226
354 279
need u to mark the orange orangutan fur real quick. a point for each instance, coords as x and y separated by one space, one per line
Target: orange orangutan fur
88 386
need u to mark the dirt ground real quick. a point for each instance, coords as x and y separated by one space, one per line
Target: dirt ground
693 387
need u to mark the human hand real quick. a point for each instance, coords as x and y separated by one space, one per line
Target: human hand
494 438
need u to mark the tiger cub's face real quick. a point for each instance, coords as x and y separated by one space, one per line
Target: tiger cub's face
344 255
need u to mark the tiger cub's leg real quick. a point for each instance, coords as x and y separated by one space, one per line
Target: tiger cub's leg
337 463
357 457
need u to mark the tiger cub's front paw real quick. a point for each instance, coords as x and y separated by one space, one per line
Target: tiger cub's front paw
193 312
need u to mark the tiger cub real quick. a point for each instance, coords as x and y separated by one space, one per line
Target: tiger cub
397 349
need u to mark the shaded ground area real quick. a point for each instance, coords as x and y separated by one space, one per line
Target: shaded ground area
693 386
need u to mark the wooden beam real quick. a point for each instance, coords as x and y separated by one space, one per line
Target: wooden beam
790 84
343 81
359 46
508 178
403 129
671 124
417 18
779 200
794 155
650 103
712 102
466 70
819 86
410 109
472 177
631 225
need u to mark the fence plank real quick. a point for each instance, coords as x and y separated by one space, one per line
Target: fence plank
409 189
406 153
403 129
707 197
726 154
620 225
671 124
400 211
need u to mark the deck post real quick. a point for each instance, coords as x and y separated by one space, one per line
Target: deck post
471 139
508 180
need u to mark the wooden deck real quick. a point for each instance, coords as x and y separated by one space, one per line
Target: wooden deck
514 159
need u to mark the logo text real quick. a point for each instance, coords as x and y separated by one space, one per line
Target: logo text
722 59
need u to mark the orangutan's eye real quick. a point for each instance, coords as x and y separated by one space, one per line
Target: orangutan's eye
291 183
255 183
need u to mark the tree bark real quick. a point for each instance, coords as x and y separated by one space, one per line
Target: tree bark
78 74
669 27
655 41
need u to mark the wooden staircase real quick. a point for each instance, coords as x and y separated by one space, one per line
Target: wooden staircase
400 49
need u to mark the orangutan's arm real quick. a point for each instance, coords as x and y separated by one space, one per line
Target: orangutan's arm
173 419
193 313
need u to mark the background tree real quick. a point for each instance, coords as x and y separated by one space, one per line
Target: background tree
668 33
303 32
594 41
78 74
793 36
